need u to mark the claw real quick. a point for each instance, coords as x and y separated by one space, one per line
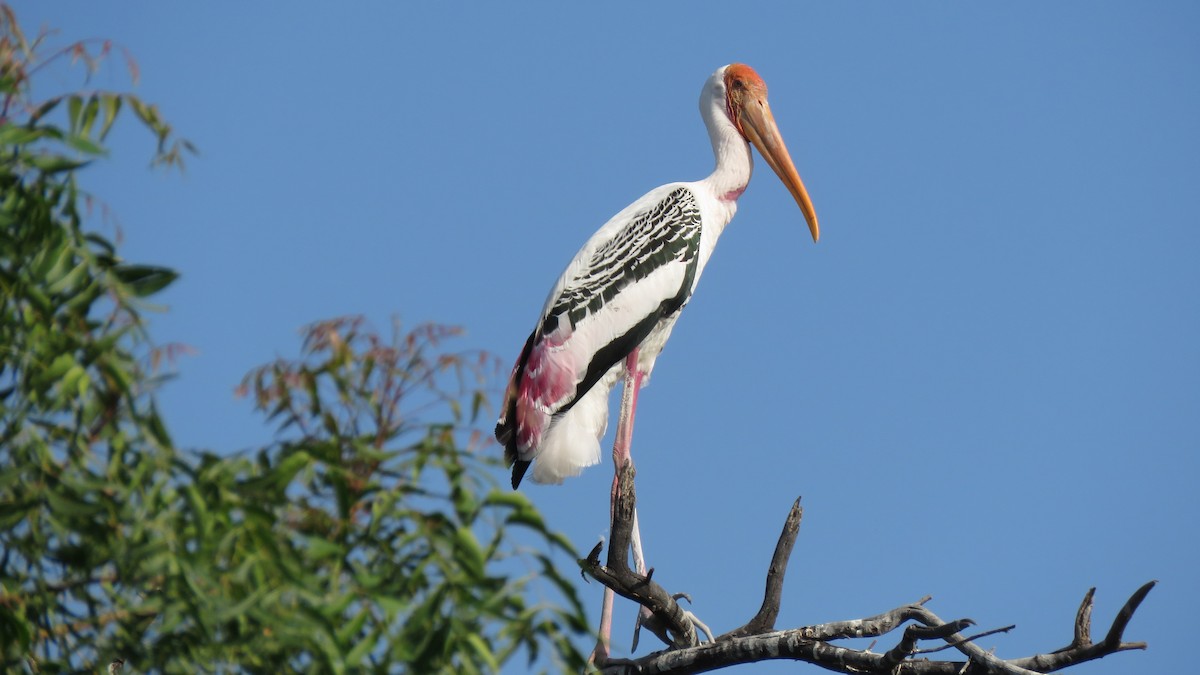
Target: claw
696 622
637 632
699 624
645 617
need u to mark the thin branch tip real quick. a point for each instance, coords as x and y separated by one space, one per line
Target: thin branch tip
1121 621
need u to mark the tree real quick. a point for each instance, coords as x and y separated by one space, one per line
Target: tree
371 535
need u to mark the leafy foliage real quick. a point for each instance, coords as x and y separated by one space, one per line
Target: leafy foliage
370 536
403 524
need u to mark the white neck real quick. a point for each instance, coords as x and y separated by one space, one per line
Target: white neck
734 164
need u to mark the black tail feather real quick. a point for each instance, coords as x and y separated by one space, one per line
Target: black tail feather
519 469
506 426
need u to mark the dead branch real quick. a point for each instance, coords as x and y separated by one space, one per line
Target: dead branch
758 641
668 620
764 620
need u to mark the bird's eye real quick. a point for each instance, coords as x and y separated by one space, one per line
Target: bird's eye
738 84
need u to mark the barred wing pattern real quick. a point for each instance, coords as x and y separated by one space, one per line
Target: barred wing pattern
607 305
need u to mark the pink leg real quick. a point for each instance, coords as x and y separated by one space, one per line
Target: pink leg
621 453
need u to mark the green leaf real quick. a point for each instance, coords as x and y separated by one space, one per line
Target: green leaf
468 553
52 164
148 114
12 625
74 106
85 145
45 108
348 633
483 651
510 498
11 514
145 280
154 426
320 548
89 116
550 572
82 298
73 381
111 104
14 135
64 504
57 368
391 605
358 656
237 610
69 280
53 261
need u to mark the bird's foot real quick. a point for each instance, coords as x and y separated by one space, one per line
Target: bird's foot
600 655
652 623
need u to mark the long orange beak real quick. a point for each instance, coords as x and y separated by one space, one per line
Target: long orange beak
758 124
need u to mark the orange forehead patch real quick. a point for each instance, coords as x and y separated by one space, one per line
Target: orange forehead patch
740 75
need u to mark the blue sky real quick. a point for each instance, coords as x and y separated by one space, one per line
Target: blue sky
984 380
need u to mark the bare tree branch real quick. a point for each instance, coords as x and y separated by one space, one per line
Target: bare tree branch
764 621
1083 621
758 641
1117 631
973 638
1081 648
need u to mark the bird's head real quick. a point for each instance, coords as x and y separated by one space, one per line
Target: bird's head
747 108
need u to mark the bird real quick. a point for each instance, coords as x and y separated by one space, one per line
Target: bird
610 313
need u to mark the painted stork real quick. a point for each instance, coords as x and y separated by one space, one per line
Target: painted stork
610 313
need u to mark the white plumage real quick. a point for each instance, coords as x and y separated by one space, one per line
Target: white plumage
625 288
611 311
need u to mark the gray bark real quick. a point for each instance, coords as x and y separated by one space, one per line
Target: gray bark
758 640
